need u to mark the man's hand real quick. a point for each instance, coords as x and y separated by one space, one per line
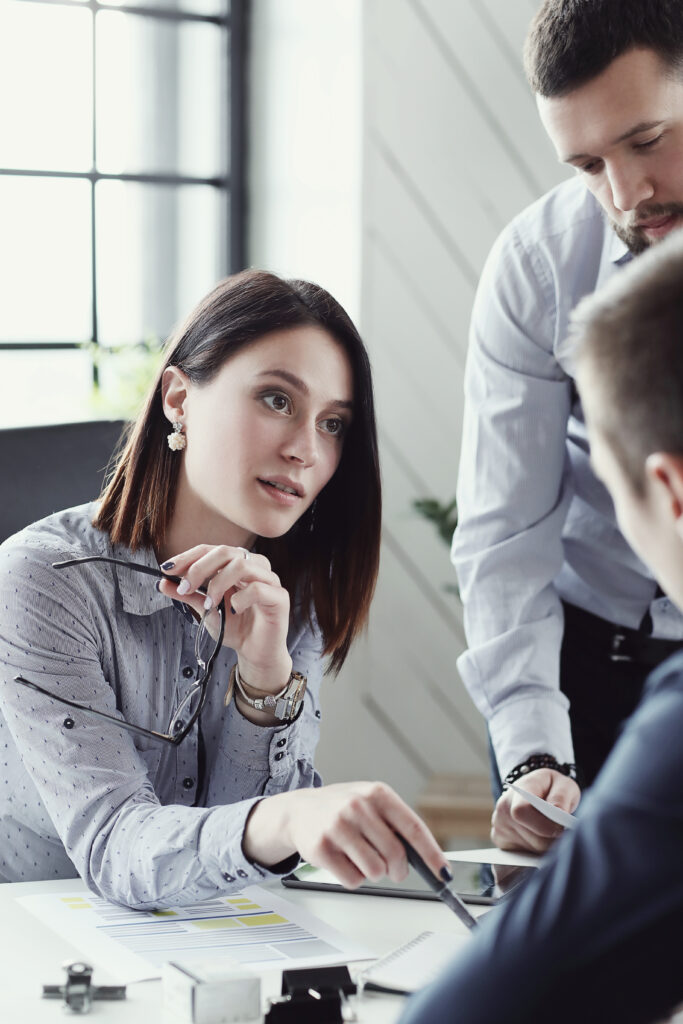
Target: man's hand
516 825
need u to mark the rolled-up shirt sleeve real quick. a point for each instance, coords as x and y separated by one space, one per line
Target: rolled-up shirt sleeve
122 807
513 495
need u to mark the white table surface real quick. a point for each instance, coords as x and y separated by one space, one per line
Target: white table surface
31 954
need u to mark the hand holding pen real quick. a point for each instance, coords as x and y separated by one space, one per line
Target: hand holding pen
351 829
439 885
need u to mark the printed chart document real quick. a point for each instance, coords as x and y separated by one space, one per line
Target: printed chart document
415 964
255 927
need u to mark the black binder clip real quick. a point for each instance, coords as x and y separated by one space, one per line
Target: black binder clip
315 996
78 992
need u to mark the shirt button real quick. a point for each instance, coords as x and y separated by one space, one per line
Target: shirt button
281 743
317 714
69 723
227 877
279 756
187 672
188 783
242 873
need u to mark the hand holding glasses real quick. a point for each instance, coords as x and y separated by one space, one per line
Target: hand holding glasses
208 641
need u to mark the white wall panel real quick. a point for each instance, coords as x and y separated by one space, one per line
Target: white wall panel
451 149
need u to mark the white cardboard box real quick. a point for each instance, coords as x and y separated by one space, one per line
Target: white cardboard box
212 992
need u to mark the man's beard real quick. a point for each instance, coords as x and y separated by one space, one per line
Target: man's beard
634 237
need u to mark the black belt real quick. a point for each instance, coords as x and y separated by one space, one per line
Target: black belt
618 643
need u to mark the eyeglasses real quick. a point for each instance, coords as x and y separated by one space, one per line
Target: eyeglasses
206 646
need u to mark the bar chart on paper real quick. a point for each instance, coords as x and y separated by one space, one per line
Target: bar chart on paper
255 927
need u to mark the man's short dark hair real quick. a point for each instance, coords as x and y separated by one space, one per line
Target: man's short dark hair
629 338
571 41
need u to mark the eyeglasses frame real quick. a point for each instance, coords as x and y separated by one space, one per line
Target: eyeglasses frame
204 667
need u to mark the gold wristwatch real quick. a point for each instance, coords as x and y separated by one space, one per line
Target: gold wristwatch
284 705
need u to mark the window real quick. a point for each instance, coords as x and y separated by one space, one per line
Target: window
121 177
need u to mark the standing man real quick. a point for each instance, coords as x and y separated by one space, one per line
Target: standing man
563 620
595 935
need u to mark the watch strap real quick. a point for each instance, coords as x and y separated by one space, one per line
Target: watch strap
284 705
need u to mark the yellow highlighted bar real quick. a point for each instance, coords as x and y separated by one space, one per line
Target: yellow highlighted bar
165 913
217 922
238 900
263 919
250 906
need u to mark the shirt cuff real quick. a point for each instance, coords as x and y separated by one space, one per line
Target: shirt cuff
253 746
220 848
530 726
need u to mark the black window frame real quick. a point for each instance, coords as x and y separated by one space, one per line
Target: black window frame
233 183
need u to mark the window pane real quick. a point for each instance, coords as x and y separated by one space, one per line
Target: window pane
161 96
215 8
159 249
45 259
47 387
46 87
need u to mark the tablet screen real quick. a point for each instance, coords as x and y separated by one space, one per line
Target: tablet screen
474 882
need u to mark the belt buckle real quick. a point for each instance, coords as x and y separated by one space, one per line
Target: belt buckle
618 641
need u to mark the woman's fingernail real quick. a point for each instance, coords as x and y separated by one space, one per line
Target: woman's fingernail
446 874
184 587
158 584
168 565
232 610
208 603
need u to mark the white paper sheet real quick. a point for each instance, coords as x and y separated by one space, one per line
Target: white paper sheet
255 927
554 814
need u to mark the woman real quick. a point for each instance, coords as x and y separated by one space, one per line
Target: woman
252 478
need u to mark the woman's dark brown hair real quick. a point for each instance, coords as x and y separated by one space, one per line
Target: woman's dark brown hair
329 559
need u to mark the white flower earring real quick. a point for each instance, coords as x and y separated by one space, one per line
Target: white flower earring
177 440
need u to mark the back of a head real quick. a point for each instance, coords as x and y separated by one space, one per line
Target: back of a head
572 41
629 338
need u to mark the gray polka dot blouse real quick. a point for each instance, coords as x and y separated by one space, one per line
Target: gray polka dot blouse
143 823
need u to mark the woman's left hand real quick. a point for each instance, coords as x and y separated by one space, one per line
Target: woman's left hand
256 627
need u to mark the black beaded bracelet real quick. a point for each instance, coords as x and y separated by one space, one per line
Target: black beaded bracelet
540 761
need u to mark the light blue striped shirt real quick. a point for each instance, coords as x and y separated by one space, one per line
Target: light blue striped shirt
535 524
118 809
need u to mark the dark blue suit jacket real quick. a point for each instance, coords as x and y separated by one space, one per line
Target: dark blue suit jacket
597 934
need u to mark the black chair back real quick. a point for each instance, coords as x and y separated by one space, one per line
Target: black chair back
45 469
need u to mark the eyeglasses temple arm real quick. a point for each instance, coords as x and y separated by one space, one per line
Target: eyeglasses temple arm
98 714
135 566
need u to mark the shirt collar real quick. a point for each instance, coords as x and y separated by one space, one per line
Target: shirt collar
139 596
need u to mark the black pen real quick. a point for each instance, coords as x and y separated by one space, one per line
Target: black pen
438 885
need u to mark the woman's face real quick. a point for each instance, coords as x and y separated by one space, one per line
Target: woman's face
264 436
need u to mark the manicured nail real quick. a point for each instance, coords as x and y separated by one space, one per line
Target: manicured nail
168 565
232 610
208 603
184 587
158 584
446 874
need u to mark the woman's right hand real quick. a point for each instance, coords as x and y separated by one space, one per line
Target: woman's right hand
349 828
257 628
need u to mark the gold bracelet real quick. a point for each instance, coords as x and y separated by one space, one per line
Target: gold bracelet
284 705
231 686
236 682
